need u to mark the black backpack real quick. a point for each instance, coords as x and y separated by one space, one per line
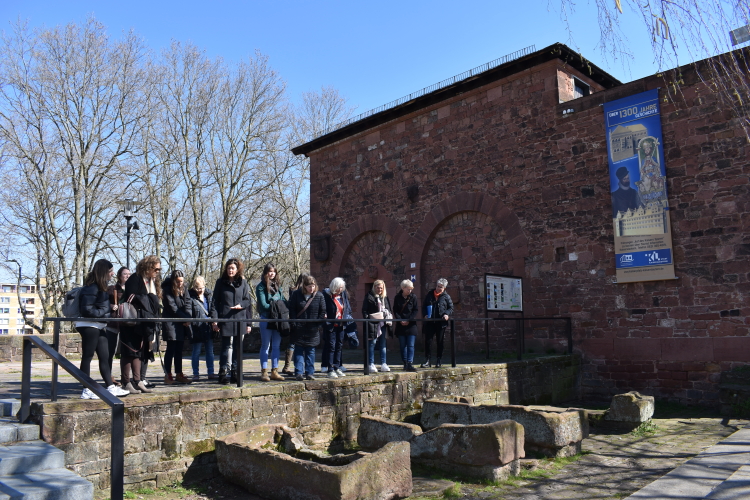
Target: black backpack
279 310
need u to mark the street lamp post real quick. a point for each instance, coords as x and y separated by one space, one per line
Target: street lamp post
129 207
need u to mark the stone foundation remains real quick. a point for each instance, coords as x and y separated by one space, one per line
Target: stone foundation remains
549 431
249 459
486 451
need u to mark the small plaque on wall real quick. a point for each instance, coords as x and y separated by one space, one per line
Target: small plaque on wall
321 247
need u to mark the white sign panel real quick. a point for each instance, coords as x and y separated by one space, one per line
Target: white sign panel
504 293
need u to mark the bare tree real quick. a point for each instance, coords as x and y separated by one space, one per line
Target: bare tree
71 101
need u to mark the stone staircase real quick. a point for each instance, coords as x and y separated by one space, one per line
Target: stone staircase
31 469
722 472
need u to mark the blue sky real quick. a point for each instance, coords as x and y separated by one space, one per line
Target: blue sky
373 52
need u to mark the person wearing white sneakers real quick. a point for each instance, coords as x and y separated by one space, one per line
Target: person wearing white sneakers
378 306
338 308
93 302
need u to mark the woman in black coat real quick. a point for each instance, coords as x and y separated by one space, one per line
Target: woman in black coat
203 307
177 304
377 303
232 301
405 309
93 302
306 303
135 341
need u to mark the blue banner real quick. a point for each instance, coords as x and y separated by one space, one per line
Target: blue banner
637 174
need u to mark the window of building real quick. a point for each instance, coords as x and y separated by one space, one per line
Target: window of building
4 331
4 321
7 288
4 300
4 310
580 89
28 301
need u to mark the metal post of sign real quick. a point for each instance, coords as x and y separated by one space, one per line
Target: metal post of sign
56 347
453 343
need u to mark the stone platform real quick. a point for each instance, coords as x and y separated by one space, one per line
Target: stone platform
170 433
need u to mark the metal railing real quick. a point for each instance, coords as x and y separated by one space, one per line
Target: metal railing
435 86
118 407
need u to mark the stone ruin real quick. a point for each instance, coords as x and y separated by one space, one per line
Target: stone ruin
548 431
272 461
486 451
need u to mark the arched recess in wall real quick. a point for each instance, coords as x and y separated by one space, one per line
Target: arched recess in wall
373 247
463 238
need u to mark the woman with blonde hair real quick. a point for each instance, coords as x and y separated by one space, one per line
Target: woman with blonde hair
378 306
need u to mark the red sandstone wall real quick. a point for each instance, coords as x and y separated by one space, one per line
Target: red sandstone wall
507 184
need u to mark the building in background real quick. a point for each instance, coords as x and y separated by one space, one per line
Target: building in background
11 316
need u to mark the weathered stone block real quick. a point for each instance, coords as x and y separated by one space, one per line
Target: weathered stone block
376 432
631 407
383 475
551 431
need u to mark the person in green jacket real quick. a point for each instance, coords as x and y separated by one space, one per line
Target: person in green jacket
267 291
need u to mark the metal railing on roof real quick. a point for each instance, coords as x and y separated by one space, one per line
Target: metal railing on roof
436 86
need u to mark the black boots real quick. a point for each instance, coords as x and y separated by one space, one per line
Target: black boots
438 364
408 367
223 379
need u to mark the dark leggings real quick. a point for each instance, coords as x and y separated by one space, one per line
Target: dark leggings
174 351
112 338
94 340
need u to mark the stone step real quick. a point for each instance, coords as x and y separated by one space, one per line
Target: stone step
9 407
29 456
11 431
736 486
53 484
699 477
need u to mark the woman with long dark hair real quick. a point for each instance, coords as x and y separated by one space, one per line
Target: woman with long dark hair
93 302
232 301
116 293
287 344
145 288
267 291
177 304
306 303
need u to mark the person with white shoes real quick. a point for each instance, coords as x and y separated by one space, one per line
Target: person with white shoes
339 309
378 306
93 302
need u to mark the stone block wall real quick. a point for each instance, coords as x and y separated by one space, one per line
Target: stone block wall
511 180
171 436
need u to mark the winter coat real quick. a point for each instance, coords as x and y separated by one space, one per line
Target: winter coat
93 303
331 310
306 334
226 295
371 306
263 299
440 306
405 309
175 306
120 289
202 332
147 305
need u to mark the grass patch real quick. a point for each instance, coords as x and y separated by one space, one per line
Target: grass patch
548 467
145 491
453 492
183 490
645 429
129 494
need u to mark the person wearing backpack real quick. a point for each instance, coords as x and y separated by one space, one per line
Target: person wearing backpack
266 292
144 286
177 304
93 302
203 307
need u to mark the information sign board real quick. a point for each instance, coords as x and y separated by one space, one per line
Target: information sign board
504 293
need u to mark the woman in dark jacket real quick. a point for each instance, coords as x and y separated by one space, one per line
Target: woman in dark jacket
232 301
116 293
203 307
377 303
93 302
437 304
339 309
177 304
135 341
306 303
405 309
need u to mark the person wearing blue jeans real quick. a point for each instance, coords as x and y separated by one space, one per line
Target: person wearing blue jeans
378 306
267 291
203 307
306 303
405 310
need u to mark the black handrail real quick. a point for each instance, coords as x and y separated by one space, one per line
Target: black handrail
117 455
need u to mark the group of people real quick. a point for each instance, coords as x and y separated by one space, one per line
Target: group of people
327 313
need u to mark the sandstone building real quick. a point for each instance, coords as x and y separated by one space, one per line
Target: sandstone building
505 171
